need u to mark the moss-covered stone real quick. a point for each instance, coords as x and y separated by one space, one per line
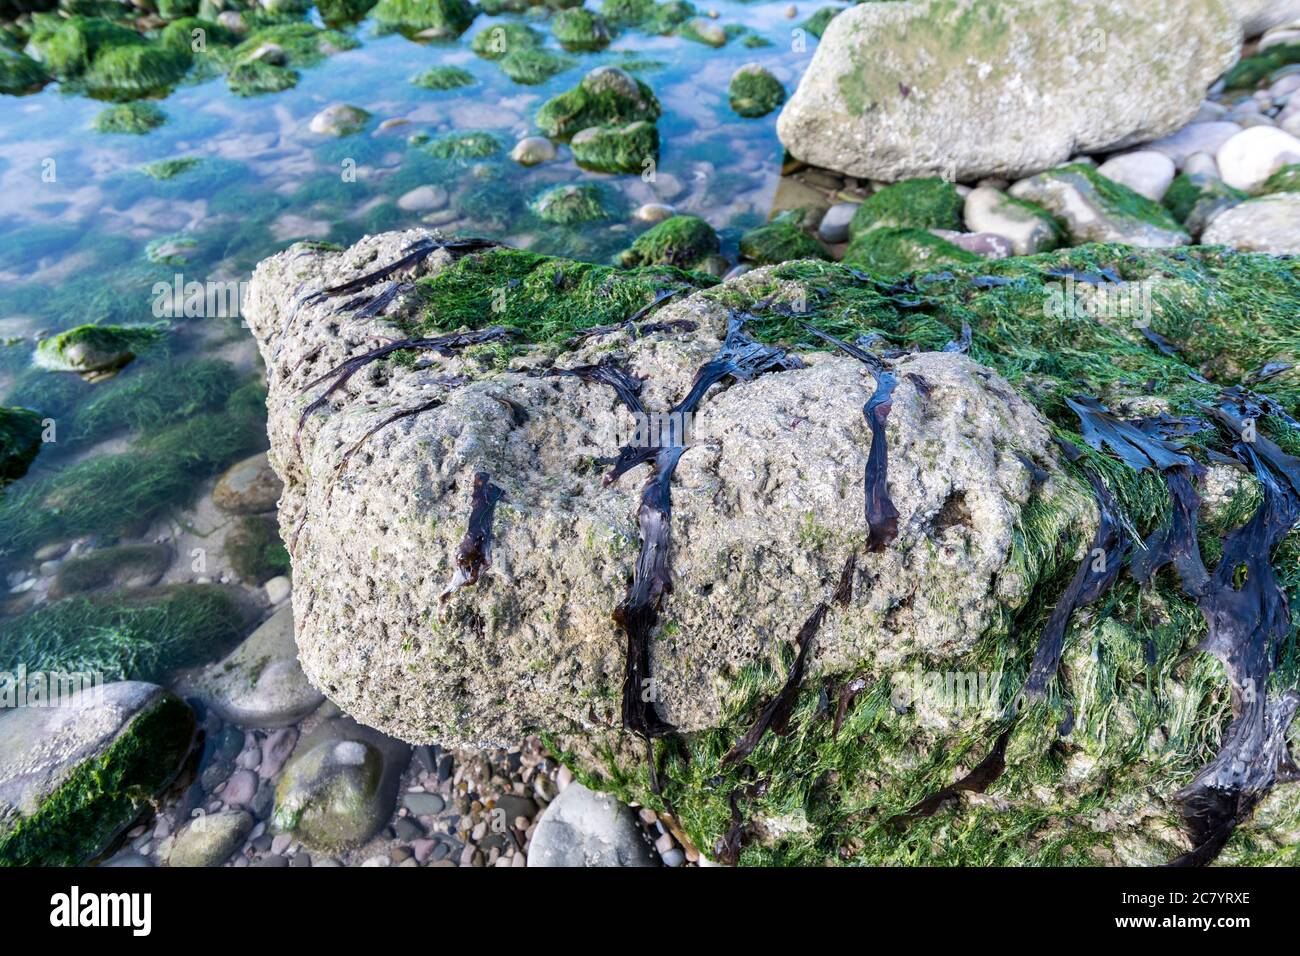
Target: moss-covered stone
135 118
704 30
606 96
649 16
754 92
68 46
502 39
20 74
780 240
255 551
566 205
20 440
681 241
1252 71
445 19
895 250
443 78
341 12
470 145
128 71
196 35
255 77
616 149
1285 180
1093 208
90 349
70 812
531 67
579 29
1194 199
929 203
124 566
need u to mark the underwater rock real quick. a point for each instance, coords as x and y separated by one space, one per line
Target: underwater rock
126 566
682 241
1031 229
780 240
616 149
340 786
929 203
260 683
753 91
339 119
1251 156
20 441
533 150
248 487
73 776
606 96
368 569
95 351
579 30
1147 172
255 551
1267 224
423 199
136 118
582 828
443 78
566 205
208 840
1095 209
969 88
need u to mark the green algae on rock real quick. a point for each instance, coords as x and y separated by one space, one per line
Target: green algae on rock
1254 70
255 550
566 205
606 96
894 250
129 71
1285 180
136 118
928 203
502 39
73 777
463 146
254 77
533 66
443 78
444 19
127 566
617 149
1195 198
681 241
96 349
754 92
20 74
817 23
1093 208
649 16
780 240
20 441
578 30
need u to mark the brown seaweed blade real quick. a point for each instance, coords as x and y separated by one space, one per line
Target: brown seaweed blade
638 613
475 552
412 255
741 359
978 780
608 372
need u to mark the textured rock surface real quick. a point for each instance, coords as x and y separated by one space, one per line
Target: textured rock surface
1269 224
1256 16
210 839
1095 209
972 88
767 505
582 828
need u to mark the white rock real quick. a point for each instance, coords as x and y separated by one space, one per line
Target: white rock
339 119
583 828
1256 16
1250 157
1146 172
654 212
532 150
1201 164
277 589
1194 138
1268 224
989 210
423 199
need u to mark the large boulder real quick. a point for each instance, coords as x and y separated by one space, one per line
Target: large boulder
1256 16
767 505
974 88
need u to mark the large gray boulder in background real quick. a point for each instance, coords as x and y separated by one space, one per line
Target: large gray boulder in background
1256 16
767 505
975 88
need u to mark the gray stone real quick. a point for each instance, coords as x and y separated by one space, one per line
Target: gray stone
834 227
990 210
1268 224
210 839
1074 195
583 828
532 150
1251 156
424 804
248 487
260 683
1195 138
1256 16
339 119
1147 172
972 88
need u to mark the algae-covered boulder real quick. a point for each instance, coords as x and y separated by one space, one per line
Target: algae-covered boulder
566 205
96 350
73 776
441 19
973 88
682 241
502 39
753 91
606 96
1092 208
616 149
1194 199
578 29
928 203
20 440
19 73
340 786
136 118
780 240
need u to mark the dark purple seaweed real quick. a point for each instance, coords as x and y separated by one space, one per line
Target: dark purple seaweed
475 552
977 780
412 255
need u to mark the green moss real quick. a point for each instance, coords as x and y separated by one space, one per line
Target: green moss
546 299
20 74
104 794
444 78
257 76
132 635
754 92
136 118
471 145
579 29
780 241
20 440
616 149
894 250
1252 71
502 39
255 550
606 96
681 241
96 348
341 12
68 46
531 67
175 9
445 18
1118 199
126 72
1194 199
929 203
1285 180
819 21
566 205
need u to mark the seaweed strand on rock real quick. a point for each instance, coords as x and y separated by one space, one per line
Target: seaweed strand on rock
474 555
